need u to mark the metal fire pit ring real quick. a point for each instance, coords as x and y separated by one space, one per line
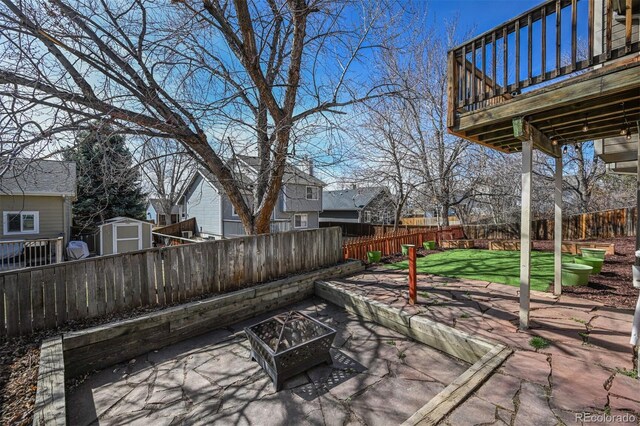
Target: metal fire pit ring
289 344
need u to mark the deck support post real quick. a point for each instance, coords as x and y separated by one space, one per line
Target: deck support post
635 329
525 234
557 230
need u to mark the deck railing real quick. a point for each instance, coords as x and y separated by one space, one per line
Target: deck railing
16 254
556 39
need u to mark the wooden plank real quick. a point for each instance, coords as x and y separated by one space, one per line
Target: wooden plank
465 97
11 296
505 59
139 263
452 85
529 48
92 289
110 284
483 92
175 276
3 325
494 57
37 300
50 404
473 81
181 274
590 29
77 291
49 287
61 295
574 33
150 278
127 283
101 284
543 50
456 392
517 79
24 302
608 28
159 263
558 36
118 284
628 21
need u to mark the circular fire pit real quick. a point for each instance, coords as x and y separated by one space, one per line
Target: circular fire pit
289 344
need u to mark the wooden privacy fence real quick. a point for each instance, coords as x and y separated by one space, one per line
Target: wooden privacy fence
47 297
598 225
357 248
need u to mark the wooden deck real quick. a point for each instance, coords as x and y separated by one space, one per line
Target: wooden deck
533 67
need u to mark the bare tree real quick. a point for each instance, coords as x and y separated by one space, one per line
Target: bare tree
383 154
205 74
166 169
448 165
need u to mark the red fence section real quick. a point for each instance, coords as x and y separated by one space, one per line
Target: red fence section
357 248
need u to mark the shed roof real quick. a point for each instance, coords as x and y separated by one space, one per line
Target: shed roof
39 177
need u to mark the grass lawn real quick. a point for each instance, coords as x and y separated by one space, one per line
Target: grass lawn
487 265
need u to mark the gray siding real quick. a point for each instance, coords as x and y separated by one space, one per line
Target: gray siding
203 202
295 199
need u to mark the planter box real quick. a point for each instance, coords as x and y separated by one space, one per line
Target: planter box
574 247
457 244
593 253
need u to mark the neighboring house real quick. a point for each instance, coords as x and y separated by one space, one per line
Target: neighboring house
156 213
358 205
35 199
298 205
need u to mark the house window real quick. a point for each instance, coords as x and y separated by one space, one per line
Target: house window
233 211
367 216
21 222
301 220
312 192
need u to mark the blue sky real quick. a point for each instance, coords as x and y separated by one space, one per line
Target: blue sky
478 16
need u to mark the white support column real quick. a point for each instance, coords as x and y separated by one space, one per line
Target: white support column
557 230
525 233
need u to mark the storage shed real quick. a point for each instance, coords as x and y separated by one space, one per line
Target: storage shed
123 234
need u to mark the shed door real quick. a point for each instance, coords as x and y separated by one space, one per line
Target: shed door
127 237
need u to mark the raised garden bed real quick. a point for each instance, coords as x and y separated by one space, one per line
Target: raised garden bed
457 244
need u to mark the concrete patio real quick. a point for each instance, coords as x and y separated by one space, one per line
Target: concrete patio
578 373
378 377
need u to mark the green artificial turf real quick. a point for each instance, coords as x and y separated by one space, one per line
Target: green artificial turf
487 265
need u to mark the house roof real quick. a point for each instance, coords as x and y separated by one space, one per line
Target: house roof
39 177
246 172
292 174
350 199
159 207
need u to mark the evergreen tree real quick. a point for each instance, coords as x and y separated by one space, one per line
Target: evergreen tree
108 183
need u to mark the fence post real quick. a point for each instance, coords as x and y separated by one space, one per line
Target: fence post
59 250
413 293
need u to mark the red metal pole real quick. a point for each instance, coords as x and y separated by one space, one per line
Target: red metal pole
413 291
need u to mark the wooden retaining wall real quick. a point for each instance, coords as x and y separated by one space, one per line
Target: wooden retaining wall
50 296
